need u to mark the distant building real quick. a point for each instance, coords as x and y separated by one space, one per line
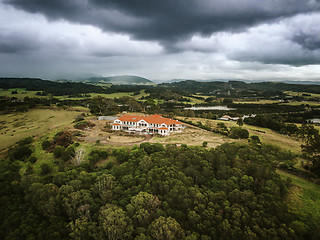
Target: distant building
225 118
228 118
147 125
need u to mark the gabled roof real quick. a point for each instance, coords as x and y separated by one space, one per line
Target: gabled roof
130 118
155 119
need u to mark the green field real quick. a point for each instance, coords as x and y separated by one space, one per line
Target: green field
301 94
266 135
304 199
257 102
22 93
111 95
310 103
16 126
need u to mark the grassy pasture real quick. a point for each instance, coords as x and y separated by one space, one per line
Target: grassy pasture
256 102
310 103
111 95
266 135
301 94
304 199
17 126
193 136
22 93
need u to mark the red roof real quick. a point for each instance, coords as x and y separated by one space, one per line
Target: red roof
155 119
163 128
130 118
116 124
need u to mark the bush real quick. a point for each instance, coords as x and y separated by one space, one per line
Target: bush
121 154
45 168
254 139
151 148
68 153
238 132
184 145
63 139
204 144
45 144
79 118
32 159
21 152
25 141
58 151
83 125
97 155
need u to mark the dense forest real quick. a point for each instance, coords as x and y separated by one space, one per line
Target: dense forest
151 192
231 88
192 86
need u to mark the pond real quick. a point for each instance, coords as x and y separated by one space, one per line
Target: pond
222 108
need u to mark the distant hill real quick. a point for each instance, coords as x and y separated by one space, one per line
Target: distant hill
120 80
55 88
191 86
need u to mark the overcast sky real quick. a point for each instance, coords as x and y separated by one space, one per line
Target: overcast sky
161 39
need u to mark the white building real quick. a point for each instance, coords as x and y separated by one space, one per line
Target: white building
151 124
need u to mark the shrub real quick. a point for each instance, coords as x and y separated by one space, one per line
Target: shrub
21 152
97 155
25 141
121 154
68 153
63 138
45 144
238 132
204 144
32 158
151 148
254 139
83 125
58 151
79 118
45 168
184 145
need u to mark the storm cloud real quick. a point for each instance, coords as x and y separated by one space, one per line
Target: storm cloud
119 37
167 20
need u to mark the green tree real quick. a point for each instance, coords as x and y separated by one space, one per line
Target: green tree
166 229
142 207
114 223
240 121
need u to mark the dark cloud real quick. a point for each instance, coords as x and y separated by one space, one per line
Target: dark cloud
309 41
167 21
161 39
15 43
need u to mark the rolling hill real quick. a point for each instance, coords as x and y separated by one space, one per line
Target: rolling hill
120 80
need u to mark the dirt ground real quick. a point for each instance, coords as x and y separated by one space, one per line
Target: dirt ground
98 133
190 135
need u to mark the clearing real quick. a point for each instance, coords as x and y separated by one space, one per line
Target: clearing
304 199
16 126
266 135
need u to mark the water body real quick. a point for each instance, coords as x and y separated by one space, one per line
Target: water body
222 108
